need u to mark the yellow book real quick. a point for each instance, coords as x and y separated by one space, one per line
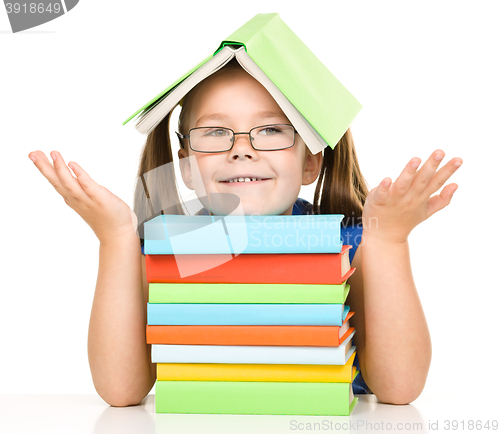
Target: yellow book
257 372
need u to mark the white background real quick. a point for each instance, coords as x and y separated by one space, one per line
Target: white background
427 74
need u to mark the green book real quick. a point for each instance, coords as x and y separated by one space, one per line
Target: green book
247 293
317 104
255 397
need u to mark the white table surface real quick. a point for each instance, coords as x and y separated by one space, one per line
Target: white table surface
82 414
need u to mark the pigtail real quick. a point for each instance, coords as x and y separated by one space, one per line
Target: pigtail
341 187
156 190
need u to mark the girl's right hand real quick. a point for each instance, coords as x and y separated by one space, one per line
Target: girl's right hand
107 215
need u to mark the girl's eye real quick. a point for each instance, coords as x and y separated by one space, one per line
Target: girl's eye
269 131
217 133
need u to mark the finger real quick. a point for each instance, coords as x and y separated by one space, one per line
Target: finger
442 175
51 174
381 192
402 184
86 182
45 167
68 184
427 171
439 201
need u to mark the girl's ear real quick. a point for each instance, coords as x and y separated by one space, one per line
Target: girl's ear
185 167
312 167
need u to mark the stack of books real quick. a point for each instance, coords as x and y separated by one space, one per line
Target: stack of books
246 314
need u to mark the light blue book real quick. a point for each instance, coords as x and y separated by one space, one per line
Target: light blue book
181 234
247 314
253 354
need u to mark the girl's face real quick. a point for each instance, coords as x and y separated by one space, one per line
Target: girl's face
234 99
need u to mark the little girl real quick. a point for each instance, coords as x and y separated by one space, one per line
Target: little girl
392 338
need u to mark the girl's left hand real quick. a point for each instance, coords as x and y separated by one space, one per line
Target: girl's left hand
392 211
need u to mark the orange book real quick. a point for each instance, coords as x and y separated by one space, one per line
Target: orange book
295 268
313 336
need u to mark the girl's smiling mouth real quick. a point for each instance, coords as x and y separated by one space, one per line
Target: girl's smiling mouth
245 180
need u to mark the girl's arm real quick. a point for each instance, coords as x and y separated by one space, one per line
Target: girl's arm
120 360
392 337
118 355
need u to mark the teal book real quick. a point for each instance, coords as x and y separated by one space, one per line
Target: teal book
246 314
191 234
255 397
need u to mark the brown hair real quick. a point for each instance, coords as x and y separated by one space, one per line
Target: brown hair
340 189
155 190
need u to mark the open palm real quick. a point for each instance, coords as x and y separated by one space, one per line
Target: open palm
105 213
392 211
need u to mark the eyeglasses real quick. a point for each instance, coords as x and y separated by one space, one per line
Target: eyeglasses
273 137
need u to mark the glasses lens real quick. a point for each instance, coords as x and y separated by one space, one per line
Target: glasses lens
211 139
269 137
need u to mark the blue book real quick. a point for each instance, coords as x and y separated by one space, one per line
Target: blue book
247 314
181 234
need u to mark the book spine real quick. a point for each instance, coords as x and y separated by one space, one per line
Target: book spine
246 293
255 372
243 234
307 336
250 354
232 397
246 314
323 269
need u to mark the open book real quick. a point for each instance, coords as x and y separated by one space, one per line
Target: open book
153 117
316 103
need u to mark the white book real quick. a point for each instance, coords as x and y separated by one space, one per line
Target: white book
253 354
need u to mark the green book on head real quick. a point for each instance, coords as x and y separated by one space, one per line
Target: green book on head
315 102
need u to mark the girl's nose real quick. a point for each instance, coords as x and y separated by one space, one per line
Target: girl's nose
242 147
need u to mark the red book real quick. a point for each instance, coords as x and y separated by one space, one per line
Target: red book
298 268
307 336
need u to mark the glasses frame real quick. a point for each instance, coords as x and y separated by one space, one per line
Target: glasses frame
188 136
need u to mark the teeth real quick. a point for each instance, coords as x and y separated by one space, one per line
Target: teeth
244 179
